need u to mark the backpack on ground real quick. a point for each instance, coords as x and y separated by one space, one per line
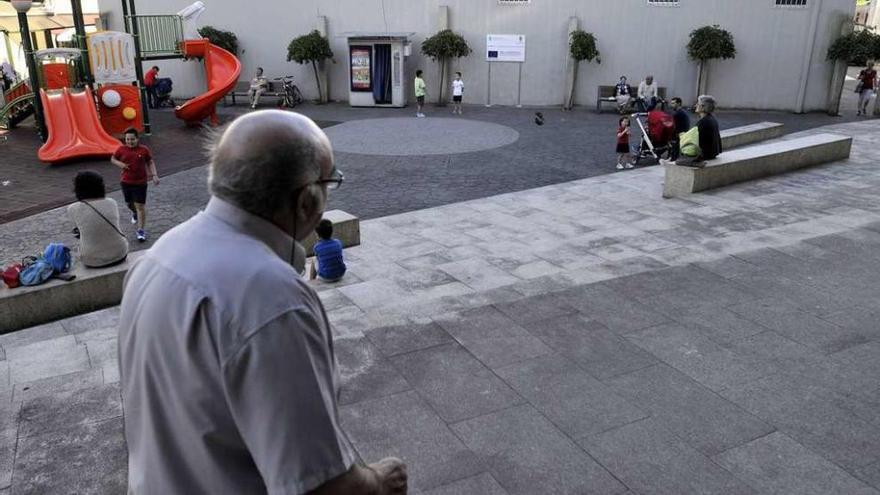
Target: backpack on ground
58 257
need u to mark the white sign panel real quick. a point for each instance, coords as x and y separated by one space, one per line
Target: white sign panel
505 48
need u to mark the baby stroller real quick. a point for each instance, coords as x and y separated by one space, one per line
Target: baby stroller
657 134
164 86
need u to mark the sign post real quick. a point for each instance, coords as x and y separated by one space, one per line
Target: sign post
505 48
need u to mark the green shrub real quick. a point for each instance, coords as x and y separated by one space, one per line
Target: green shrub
443 46
856 48
311 48
582 46
710 42
226 40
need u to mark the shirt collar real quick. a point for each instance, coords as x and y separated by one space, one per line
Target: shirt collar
276 239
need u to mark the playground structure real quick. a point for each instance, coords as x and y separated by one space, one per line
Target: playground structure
90 93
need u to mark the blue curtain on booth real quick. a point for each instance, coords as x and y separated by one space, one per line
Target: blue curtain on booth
382 73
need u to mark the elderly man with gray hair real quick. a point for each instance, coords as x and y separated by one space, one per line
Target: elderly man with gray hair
227 366
709 135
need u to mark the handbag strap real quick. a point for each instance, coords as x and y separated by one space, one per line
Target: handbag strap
105 218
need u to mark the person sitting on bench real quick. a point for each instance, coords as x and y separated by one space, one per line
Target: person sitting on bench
647 96
709 136
259 85
623 95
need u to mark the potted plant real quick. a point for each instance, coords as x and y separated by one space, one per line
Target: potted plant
312 48
581 46
443 46
708 43
226 40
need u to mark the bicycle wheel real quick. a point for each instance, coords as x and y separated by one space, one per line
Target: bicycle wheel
297 96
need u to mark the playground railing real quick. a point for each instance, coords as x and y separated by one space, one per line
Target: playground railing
159 35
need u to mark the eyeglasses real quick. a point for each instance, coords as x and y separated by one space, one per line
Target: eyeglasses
334 181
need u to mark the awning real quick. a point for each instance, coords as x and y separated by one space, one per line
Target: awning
38 19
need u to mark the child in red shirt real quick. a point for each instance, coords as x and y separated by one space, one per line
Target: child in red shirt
137 166
623 132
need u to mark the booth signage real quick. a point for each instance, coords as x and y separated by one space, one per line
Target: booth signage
361 67
505 48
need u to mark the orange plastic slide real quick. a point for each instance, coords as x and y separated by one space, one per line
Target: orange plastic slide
74 129
222 69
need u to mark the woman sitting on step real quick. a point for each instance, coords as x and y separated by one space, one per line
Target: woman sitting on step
101 243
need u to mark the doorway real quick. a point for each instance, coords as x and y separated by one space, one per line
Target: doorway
382 73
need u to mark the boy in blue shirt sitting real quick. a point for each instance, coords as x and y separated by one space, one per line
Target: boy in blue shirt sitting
328 263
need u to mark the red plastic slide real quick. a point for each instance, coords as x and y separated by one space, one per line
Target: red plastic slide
222 69
74 129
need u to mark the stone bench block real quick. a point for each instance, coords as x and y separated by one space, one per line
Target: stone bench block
748 134
91 290
98 288
346 228
756 161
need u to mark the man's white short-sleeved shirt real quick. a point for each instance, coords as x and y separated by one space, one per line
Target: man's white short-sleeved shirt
457 87
227 369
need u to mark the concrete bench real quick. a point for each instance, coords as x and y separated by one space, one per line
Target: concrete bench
756 161
748 134
242 89
98 288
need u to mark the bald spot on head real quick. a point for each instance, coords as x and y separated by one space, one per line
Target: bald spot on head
253 136
262 157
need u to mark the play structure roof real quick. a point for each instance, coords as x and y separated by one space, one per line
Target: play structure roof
38 19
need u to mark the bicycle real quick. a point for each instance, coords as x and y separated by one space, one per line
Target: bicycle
291 96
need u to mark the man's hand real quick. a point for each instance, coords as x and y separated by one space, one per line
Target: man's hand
391 472
156 180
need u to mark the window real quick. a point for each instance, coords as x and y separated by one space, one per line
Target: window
663 3
791 3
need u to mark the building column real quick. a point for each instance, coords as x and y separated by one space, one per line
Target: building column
323 78
571 67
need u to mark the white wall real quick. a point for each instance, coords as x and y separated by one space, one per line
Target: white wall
634 38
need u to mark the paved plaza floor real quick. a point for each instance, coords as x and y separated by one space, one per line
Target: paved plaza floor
582 337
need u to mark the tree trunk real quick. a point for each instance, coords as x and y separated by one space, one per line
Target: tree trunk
442 82
569 104
700 69
318 81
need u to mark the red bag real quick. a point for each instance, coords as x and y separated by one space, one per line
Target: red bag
10 275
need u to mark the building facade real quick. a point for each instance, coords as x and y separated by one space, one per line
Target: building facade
780 62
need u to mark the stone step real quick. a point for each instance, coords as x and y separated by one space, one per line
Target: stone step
749 134
98 288
756 161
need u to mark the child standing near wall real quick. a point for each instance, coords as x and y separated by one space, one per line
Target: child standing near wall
421 91
623 132
457 93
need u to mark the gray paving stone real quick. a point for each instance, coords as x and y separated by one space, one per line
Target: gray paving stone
800 326
704 420
574 401
528 455
649 459
364 373
535 308
813 415
60 384
776 289
719 324
591 345
777 464
63 410
333 299
404 426
84 459
869 474
9 415
32 335
611 308
492 337
695 355
455 384
111 373
7 456
483 484
105 318
43 359
478 274
410 337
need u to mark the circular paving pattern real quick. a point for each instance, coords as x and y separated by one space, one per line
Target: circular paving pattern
415 136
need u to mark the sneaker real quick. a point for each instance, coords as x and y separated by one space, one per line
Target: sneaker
134 218
666 162
141 235
619 166
629 166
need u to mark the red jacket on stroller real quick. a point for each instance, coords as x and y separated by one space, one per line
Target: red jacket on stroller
661 127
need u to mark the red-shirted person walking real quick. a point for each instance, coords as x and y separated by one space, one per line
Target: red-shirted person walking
150 84
138 167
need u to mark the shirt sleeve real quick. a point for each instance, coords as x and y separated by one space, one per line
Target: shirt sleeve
281 389
149 155
118 153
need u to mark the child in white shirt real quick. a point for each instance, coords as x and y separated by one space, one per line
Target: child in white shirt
457 92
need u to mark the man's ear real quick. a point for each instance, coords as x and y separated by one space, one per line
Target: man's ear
310 202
